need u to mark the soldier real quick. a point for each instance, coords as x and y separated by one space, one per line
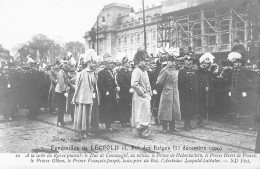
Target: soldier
156 91
188 89
242 90
222 101
107 86
142 95
204 90
53 81
125 98
169 107
61 92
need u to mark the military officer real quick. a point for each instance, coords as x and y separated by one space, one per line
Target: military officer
107 86
241 90
125 97
188 89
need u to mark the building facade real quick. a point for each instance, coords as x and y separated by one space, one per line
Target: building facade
204 25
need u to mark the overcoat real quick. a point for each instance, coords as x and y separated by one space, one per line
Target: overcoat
188 90
108 107
83 99
205 97
141 113
242 80
169 107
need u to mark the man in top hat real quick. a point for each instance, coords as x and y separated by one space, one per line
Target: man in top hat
107 86
125 97
188 91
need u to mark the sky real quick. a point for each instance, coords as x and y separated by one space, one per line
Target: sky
61 20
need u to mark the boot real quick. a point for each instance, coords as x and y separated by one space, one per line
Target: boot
172 127
156 121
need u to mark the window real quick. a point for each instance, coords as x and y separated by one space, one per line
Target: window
132 38
125 40
119 41
154 35
138 37
147 36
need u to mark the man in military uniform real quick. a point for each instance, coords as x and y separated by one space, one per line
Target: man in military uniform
188 89
242 83
32 90
156 91
53 79
107 86
125 98
204 90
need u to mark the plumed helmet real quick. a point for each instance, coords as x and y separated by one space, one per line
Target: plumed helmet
141 55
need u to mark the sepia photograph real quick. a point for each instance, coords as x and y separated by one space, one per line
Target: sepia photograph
133 84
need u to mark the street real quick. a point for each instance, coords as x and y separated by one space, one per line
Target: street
25 135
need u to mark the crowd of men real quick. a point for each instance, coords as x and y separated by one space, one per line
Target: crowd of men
168 88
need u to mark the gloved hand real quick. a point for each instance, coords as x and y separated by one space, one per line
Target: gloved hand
118 88
229 93
107 93
131 90
94 95
244 94
66 95
154 92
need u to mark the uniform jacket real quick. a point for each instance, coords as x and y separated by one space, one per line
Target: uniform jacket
106 83
63 82
206 98
124 82
169 107
188 90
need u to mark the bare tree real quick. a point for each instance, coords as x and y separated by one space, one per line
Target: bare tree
75 48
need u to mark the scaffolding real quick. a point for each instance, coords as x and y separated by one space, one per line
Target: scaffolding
210 28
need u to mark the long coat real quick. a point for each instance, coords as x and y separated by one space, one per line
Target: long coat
125 98
169 107
153 78
206 98
141 114
188 89
83 99
108 107
243 81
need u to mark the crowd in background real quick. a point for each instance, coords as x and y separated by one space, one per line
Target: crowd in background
167 88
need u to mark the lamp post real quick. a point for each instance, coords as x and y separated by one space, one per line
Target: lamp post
132 15
144 27
103 23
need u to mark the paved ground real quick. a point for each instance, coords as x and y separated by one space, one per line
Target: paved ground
24 135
